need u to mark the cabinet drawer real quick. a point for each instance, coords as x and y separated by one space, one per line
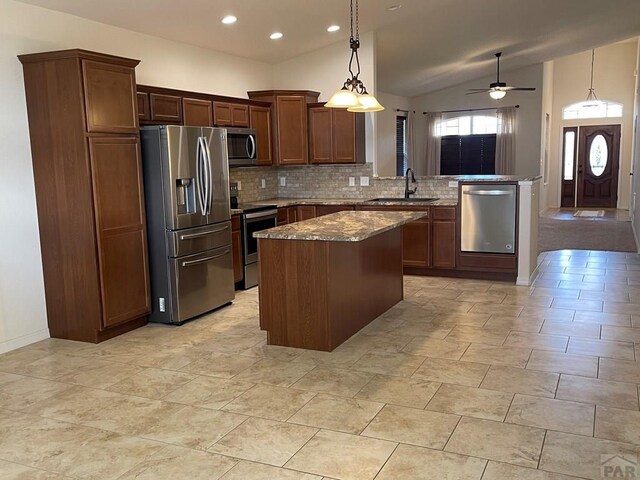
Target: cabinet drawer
191 240
444 213
165 108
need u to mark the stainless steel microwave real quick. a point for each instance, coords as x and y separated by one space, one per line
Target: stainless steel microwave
242 147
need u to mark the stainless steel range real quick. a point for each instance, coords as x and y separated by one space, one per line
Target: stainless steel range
254 218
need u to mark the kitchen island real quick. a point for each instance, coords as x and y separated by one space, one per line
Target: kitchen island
322 280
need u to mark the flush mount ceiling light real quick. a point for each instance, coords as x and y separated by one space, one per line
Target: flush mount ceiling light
276 35
353 95
229 19
333 28
393 8
592 98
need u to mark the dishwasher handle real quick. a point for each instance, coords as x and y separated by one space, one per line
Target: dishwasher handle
489 193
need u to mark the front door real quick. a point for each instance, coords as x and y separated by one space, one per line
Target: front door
598 158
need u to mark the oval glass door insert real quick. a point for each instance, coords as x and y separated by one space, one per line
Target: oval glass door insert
598 154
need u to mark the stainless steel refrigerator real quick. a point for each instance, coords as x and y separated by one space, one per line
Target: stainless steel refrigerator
186 182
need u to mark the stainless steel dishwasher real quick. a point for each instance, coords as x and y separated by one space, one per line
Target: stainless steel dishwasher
488 220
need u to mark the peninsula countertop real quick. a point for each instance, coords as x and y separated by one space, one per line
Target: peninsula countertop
341 226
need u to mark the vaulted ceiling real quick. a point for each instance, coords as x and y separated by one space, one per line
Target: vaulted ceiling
423 46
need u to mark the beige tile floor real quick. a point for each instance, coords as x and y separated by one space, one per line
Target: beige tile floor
464 379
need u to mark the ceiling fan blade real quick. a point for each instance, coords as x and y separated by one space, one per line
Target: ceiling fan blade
523 89
478 91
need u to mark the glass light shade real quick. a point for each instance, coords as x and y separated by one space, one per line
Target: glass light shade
366 103
497 94
343 98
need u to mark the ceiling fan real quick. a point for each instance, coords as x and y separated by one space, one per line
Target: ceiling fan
498 89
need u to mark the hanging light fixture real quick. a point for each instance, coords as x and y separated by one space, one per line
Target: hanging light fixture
592 98
353 95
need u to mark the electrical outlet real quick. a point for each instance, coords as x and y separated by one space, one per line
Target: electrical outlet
239 185
453 184
364 181
352 181
161 304
263 183
283 181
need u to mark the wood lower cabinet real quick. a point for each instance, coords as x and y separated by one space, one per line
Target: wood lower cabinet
283 216
89 193
236 244
335 135
260 121
292 214
416 244
289 121
443 237
306 212
197 113
329 209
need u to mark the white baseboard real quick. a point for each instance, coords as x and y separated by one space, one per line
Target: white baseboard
24 341
526 281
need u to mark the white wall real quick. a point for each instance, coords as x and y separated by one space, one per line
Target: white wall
528 129
27 29
386 128
545 137
613 80
325 70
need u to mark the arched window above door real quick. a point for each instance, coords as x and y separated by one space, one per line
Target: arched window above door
599 109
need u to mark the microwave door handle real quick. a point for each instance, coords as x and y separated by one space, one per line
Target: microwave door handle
252 152
199 175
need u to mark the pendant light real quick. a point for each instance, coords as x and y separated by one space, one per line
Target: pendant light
592 98
353 95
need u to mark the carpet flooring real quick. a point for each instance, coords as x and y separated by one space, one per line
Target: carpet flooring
579 234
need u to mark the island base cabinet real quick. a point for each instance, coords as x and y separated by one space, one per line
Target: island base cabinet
317 294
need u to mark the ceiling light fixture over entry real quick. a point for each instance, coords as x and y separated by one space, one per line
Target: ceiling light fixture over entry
592 98
353 95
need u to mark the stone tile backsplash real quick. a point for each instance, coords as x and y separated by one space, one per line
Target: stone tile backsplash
329 181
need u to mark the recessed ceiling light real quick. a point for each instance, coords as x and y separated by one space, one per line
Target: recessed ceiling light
275 36
333 28
229 19
394 7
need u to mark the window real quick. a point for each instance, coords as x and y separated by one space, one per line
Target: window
600 109
402 162
468 145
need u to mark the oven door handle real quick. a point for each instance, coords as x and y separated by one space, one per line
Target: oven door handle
262 214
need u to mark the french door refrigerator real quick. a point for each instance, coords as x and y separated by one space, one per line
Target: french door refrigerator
186 181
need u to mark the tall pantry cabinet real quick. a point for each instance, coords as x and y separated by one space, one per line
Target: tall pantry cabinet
85 147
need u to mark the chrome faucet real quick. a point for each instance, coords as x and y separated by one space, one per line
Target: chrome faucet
407 191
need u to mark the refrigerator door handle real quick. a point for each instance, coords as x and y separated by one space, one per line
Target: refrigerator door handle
206 259
199 173
189 236
209 197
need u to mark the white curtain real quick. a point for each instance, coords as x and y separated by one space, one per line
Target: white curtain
506 141
432 144
410 161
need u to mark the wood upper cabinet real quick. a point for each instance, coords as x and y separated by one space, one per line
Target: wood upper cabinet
230 114
197 113
261 122
109 95
336 135
116 172
89 192
144 113
290 125
165 108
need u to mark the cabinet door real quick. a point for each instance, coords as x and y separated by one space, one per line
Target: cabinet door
119 215
416 237
261 122
283 216
305 212
222 114
328 209
320 136
144 115
292 130
444 244
292 214
110 97
196 112
165 108
239 115
344 136
236 247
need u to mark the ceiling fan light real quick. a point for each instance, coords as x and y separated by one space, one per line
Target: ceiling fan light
366 103
343 98
497 94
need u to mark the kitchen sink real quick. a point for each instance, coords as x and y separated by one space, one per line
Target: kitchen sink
421 200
